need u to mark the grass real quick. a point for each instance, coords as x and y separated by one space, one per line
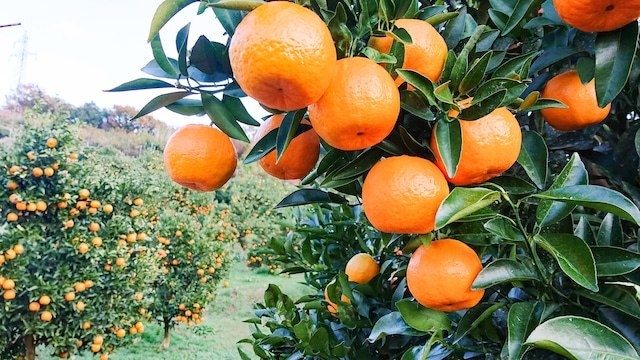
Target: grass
222 327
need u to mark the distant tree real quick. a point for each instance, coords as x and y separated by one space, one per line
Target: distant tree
89 113
30 96
122 117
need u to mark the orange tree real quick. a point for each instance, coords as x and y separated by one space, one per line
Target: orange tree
549 210
194 247
67 280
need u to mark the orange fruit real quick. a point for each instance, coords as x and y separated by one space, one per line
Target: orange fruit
34 306
597 15
108 208
298 159
104 356
88 284
12 217
333 307
361 268
133 213
49 172
83 247
490 146
18 249
41 206
10 254
8 284
121 333
70 296
86 325
52 142
225 284
84 194
14 169
94 227
69 223
94 204
21 206
44 300
46 316
138 202
200 157
426 54
360 107
99 340
9 295
32 207
73 156
282 55
37 172
401 194
96 241
120 262
95 348
440 276
133 330
582 110
79 287
80 306
12 185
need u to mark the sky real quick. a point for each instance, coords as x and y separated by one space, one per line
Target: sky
76 49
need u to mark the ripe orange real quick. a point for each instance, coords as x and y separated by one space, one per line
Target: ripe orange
70 296
96 241
440 276
37 172
333 307
138 202
108 208
300 156
52 142
9 295
583 109
597 15
361 268
18 249
121 333
41 206
8 284
49 172
32 207
12 217
83 247
44 300
120 262
10 254
225 284
95 204
95 348
86 325
490 146
14 169
84 194
94 227
34 306
12 185
360 107
133 213
80 306
46 316
99 340
104 356
282 55
79 287
401 194
200 157
425 55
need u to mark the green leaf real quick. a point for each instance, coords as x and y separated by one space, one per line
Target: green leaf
512 184
614 261
595 197
534 157
523 317
584 231
504 270
474 317
615 297
287 131
391 324
443 93
188 107
161 101
310 196
615 51
161 58
581 338
379 57
574 173
573 256
610 232
181 45
235 106
476 74
165 11
422 318
462 202
141 84
358 166
513 88
505 229
420 82
483 108
513 66
449 142
454 29
222 117
520 10
229 19
586 67
243 5
203 55
412 102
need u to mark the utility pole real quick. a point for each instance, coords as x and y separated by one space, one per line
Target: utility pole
22 56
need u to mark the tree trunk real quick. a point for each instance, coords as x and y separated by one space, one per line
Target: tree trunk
167 336
30 345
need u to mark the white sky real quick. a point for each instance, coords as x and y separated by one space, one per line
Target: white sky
78 48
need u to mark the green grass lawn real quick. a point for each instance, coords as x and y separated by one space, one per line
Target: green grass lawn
217 336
